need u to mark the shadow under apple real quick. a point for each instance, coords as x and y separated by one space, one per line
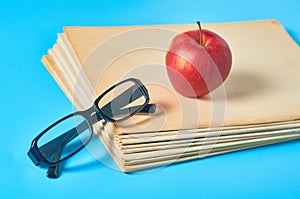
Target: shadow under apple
246 84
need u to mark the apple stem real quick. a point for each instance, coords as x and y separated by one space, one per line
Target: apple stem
201 35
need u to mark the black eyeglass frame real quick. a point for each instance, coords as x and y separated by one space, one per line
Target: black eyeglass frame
34 152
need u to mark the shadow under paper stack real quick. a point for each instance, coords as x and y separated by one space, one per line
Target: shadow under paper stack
258 104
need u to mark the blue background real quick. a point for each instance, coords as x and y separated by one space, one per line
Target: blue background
31 100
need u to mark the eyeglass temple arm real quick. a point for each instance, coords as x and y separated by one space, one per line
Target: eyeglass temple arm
53 172
145 110
149 108
121 100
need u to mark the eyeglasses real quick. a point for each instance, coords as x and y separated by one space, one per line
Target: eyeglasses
66 137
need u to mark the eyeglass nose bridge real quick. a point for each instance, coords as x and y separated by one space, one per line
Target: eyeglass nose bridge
92 115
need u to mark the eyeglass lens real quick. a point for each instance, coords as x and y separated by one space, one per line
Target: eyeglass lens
64 138
122 101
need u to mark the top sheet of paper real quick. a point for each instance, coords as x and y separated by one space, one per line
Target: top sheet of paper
263 85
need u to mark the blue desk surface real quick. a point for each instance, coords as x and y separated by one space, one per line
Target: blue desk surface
31 100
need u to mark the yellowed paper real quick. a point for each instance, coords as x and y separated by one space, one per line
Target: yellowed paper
262 95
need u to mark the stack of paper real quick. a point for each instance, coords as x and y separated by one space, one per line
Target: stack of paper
257 105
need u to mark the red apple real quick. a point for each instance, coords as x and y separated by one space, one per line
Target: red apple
198 61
